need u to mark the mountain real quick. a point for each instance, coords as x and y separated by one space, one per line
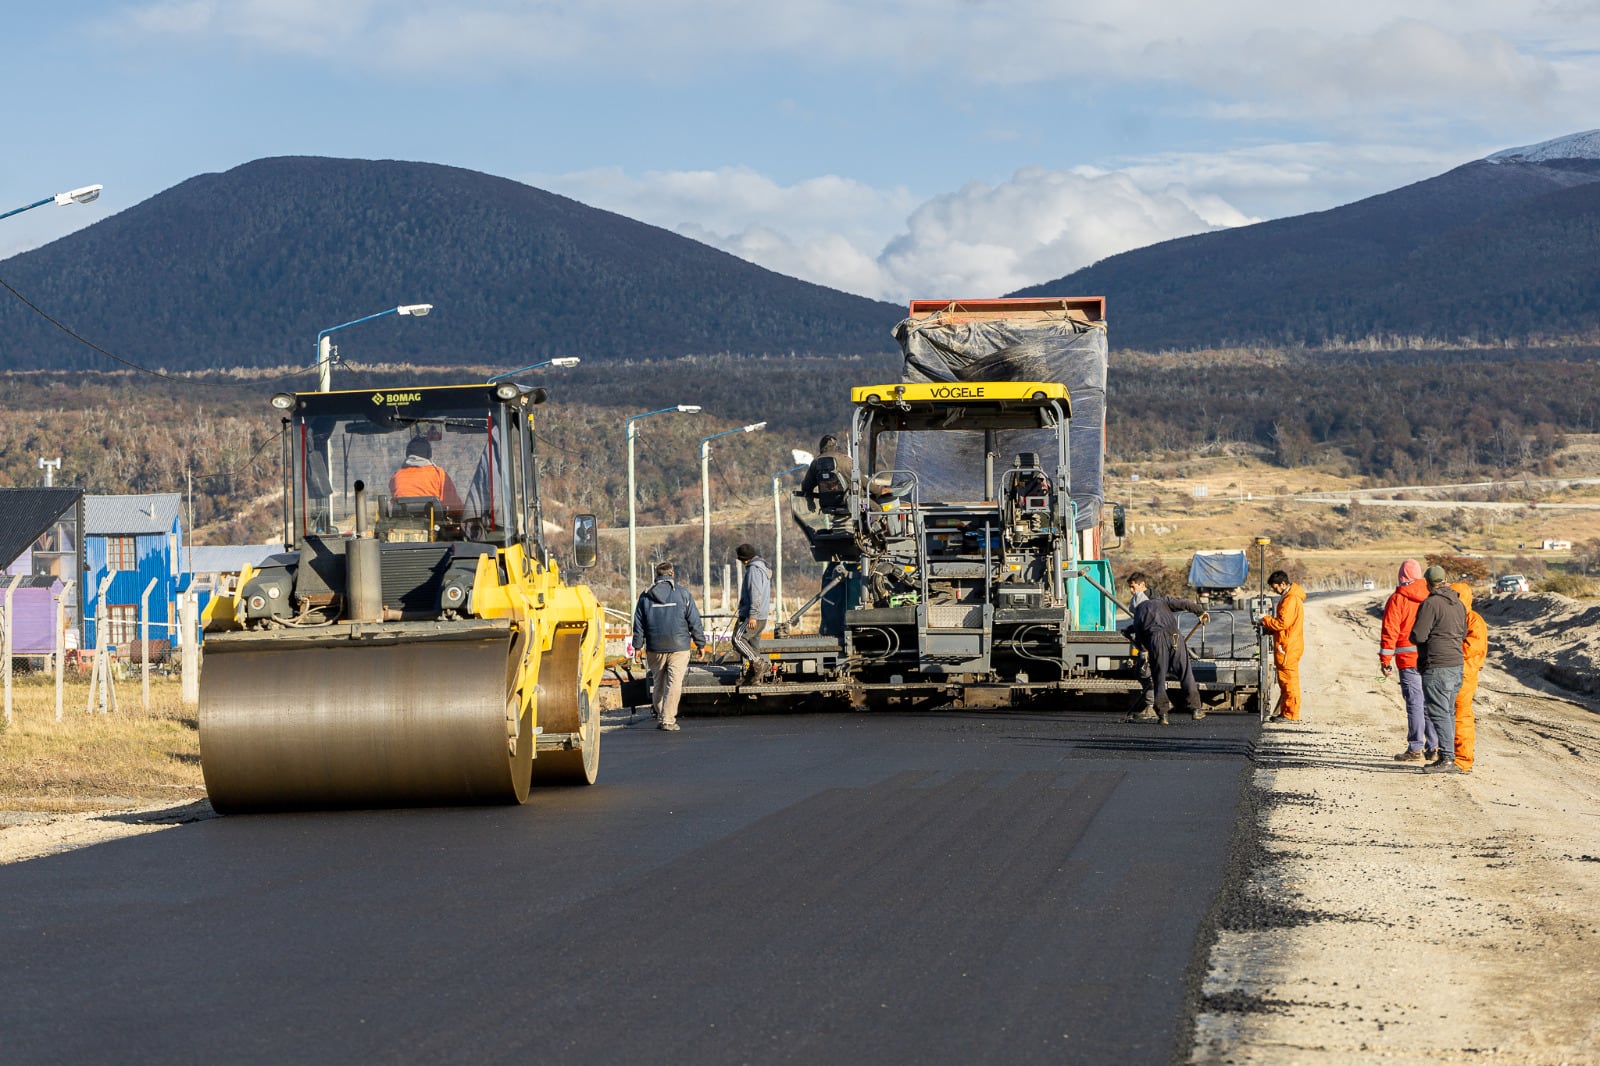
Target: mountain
1502 250
245 267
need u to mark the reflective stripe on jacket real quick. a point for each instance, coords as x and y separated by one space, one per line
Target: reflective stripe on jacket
1394 645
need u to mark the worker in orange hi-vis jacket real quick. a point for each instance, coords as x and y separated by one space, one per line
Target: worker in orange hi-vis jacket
1288 628
420 477
1474 651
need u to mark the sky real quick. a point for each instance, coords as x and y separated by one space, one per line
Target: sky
892 148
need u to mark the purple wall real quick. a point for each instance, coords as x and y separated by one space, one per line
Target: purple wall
36 620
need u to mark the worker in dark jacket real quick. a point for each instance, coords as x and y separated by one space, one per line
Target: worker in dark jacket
1154 631
755 603
827 482
1438 634
666 623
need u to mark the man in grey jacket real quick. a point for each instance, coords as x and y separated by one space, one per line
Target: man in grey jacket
1438 634
755 604
665 624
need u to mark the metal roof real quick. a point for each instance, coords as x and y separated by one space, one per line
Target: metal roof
227 558
155 512
25 514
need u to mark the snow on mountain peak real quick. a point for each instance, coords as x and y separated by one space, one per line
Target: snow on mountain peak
1573 146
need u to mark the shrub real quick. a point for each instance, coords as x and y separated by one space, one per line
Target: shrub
1471 567
1573 586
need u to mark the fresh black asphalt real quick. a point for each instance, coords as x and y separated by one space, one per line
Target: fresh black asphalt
945 887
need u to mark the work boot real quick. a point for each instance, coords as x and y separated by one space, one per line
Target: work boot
1198 714
1431 756
1162 718
1445 765
670 727
1411 756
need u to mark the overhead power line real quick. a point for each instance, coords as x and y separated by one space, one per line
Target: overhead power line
92 346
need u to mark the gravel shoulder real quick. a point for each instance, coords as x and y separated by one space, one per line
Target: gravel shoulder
1410 917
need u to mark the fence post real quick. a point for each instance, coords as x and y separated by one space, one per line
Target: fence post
61 643
5 640
97 673
188 620
144 639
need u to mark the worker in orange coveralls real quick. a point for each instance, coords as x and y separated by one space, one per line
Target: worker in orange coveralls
1474 650
419 477
1288 628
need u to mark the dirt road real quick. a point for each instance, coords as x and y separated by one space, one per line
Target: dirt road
1408 917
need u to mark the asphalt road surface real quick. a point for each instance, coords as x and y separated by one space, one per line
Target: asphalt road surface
884 888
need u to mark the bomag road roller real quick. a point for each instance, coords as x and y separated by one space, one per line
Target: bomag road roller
416 643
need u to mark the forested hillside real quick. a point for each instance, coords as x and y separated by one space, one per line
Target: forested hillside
244 268
1393 418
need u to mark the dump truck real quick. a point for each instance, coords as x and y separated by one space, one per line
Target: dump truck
964 557
416 643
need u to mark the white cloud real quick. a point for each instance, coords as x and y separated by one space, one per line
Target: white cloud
1364 68
310 27
981 240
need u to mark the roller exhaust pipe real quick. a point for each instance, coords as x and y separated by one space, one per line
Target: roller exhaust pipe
363 568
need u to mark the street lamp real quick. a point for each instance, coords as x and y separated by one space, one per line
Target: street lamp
802 461
325 347
564 361
85 195
633 551
705 506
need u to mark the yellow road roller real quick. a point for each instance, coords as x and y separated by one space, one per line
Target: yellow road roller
415 644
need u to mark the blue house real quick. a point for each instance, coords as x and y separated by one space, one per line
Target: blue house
135 539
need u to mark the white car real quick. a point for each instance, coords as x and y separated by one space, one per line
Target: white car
1368 585
1511 583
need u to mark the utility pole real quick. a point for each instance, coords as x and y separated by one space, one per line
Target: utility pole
49 466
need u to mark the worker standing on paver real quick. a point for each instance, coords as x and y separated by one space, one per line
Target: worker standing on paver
1474 652
1395 651
1288 629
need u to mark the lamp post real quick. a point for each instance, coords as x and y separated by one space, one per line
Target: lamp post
87 194
325 347
564 362
705 506
633 550
777 527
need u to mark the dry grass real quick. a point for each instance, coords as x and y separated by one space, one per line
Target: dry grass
92 761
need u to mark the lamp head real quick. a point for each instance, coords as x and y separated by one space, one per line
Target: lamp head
415 310
566 361
689 408
752 427
85 195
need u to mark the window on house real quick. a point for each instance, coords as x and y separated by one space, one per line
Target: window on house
120 554
122 623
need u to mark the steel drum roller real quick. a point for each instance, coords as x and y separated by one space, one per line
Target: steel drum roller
361 725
